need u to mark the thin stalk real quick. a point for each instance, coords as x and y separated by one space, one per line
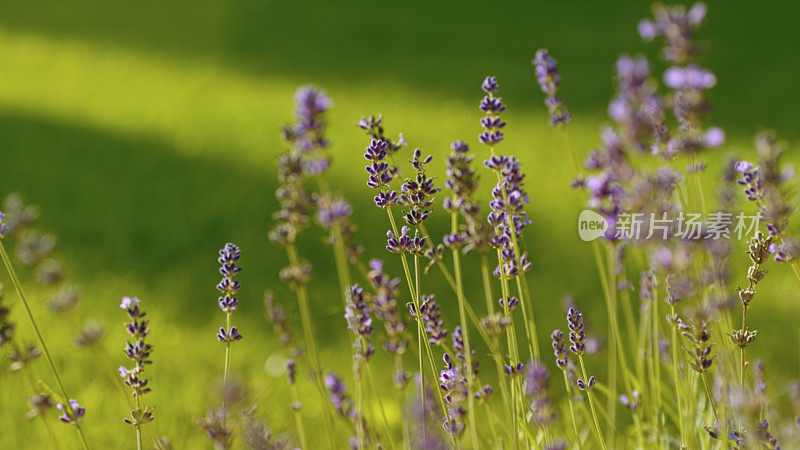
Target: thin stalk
420 328
591 406
138 426
708 394
53 369
571 408
487 292
465 330
298 418
311 345
677 377
359 405
380 406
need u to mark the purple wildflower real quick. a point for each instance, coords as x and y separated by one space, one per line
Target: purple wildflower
72 414
357 315
536 385
548 77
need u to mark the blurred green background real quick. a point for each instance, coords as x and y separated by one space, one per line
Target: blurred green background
147 132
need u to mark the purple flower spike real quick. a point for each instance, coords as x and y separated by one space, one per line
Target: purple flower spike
73 414
228 336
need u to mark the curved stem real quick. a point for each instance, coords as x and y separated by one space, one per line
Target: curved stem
591 406
53 369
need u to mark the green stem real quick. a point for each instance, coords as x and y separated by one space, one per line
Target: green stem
708 394
465 330
677 377
380 405
571 408
53 369
311 345
422 340
298 418
591 406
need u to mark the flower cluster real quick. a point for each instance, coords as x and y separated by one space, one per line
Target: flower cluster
453 384
374 129
229 287
72 413
307 135
771 187
508 208
460 350
386 308
139 353
379 175
417 193
548 78
759 252
462 181
337 393
432 319
536 388
295 202
577 336
699 350
492 106
276 315
357 315
404 243
6 325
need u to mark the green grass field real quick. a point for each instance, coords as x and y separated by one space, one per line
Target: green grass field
147 132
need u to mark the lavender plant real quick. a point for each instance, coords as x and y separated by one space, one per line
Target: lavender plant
139 352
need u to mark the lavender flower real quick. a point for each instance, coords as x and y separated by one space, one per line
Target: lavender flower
577 335
307 135
677 27
337 393
536 388
138 352
432 319
558 349
357 315
374 128
548 77
386 308
276 315
72 414
460 351
417 193
631 402
229 287
491 106
216 429
454 384
6 326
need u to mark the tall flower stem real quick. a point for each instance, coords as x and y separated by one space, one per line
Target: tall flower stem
677 377
571 408
527 309
487 292
591 406
227 355
380 406
53 369
311 345
465 329
139 427
708 394
422 341
298 418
